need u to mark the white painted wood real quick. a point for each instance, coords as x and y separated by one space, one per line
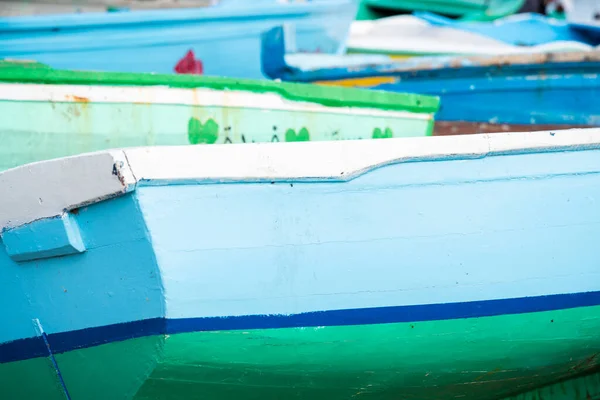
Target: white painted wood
192 97
583 12
46 189
341 160
410 34
67 183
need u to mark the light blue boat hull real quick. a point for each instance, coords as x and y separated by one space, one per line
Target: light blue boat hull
226 38
489 232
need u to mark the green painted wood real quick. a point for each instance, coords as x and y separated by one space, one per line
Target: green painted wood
333 96
111 371
478 358
44 130
40 129
585 387
472 10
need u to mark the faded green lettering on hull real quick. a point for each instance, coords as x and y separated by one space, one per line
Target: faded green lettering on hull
57 113
44 130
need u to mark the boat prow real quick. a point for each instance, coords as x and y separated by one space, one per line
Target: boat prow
428 267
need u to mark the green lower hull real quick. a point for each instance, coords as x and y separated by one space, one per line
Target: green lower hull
477 358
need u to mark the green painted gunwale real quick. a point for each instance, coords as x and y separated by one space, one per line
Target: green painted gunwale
473 359
333 96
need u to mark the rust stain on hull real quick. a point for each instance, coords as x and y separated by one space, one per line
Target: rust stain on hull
444 128
78 99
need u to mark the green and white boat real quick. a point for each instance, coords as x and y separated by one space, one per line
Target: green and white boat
56 113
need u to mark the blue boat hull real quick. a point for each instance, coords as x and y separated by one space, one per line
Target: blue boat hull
225 38
550 89
538 94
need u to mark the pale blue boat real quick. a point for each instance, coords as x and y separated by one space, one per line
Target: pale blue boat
225 37
306 270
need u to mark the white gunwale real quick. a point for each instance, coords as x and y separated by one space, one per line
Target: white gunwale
49 188
203 97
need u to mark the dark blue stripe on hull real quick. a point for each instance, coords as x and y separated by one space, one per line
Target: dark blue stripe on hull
66 341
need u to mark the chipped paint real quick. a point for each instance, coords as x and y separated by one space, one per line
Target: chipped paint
50 120
433 63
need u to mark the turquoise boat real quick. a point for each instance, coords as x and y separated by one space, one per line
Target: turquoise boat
424 268
57 113
476 10
218 37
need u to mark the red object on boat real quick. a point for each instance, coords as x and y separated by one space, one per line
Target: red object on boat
189 65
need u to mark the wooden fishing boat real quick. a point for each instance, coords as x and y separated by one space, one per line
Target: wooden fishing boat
423 34
424 268
156 40
479 10
57 113
478 94
527 29
12 8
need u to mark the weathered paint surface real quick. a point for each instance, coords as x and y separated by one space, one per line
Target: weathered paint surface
434 63
313 289
583 387
40 130
40 74
466 128
533 89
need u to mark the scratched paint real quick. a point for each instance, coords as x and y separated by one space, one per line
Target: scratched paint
501 94
531 89
44 130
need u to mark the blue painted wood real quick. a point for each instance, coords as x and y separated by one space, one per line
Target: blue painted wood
154 41
590 30
533 94
424 240
536 93
521 30
114 281
45 238
369 242
44 337
27 348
